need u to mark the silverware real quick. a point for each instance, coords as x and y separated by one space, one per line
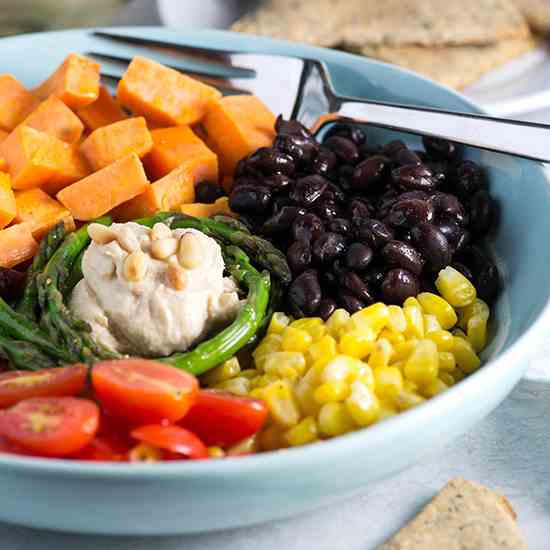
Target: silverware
302 89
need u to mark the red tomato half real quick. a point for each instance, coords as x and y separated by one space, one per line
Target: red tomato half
110 449
7 446
142 391
222 418
58 382
172 438
51 426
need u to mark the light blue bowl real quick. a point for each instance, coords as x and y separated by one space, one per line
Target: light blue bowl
203 496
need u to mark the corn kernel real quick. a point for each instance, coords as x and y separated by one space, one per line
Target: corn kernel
415 321
365 375
245 446
409 385
447 378
458 375
381 355
228 369
396 319
238 386
271 343
304 432
357 343
386 411
433 304
249 373
431 324
272 438
281 402
374 317
295 339
477 332
285 363
443 339
363 405
465 356
455 288
279 321
143 452
479 307
334 419
434 388
423 365
407 400
459 333
400 365
331 391
336 321
305 392
340 369
447 361
404 350
263 380
215 452
392 336
388 382
307 323
317 332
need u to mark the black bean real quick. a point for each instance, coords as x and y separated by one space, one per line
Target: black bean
452 231
299 256
268 161
340 225
328 247
439 148
466 271
327 209
326 308
439 169
488 282
334 193
324 163
307 227
349 302
345 150
373 233
302 149
433 245
416 194
280 202
482 208
291 128
345 174
448 207
246 180
358 256
369 172
427 283
399 284
393 147
304 292
466 178
252 199
386 201
357 135
11 283
352 283
400 254
277 182
374 275
405 157
282 219
359 209
208 192
329 279
308 189
414 176
408 212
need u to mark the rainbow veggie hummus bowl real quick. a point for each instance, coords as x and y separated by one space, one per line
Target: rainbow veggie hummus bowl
199 292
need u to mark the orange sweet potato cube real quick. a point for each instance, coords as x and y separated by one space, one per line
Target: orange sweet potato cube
8 210
176 145
16 102
41 212
102 191
164 96
17 245
3 135
36 159
103 111
75 82
203 210
53 117
110 143
237 125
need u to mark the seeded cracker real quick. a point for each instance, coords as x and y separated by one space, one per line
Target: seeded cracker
537 13
463 516
358 23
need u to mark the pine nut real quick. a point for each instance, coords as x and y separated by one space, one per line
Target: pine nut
127 239
160 231
101 234
135 266
162 248
176 276
189 252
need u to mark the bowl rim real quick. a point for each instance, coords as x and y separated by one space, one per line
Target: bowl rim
309 454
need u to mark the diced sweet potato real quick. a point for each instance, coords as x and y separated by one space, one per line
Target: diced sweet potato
176 145
3 165
8 210
17 245
16 102
53 117
36 159
110 143
200 209
163 95
41 212
102 191
103 111
3 135
75 82
236 126
165 194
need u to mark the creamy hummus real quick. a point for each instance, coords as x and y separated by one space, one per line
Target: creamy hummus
151 300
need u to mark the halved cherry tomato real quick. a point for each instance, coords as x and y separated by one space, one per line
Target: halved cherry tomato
142 391
172 438
7 446
222 418
101 447
58 382
51 426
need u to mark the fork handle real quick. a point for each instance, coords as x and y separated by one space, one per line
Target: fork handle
522 139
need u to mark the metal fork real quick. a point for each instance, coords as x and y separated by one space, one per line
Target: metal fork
302 89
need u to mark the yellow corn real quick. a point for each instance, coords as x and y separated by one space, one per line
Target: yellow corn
215 452
295 339
404 350
465 356
279 321
447 378
381 355
317 332
325 348
263 380
334 419
423 365
341 369
331 391
476 332
431 324
386 411
455 288
281 402
143 452
478 308
396 319
458 375
374 317
392 336
225 371
434 388
459 333
337 321
304 432
433 304
357 343
239 385
272 438
307 323
447 361
443 339
305 395
248 445
415 321
271 343
388 382
408 399
285 363
249 373
362 404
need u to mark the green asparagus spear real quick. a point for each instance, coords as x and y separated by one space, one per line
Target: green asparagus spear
231 222
24 355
